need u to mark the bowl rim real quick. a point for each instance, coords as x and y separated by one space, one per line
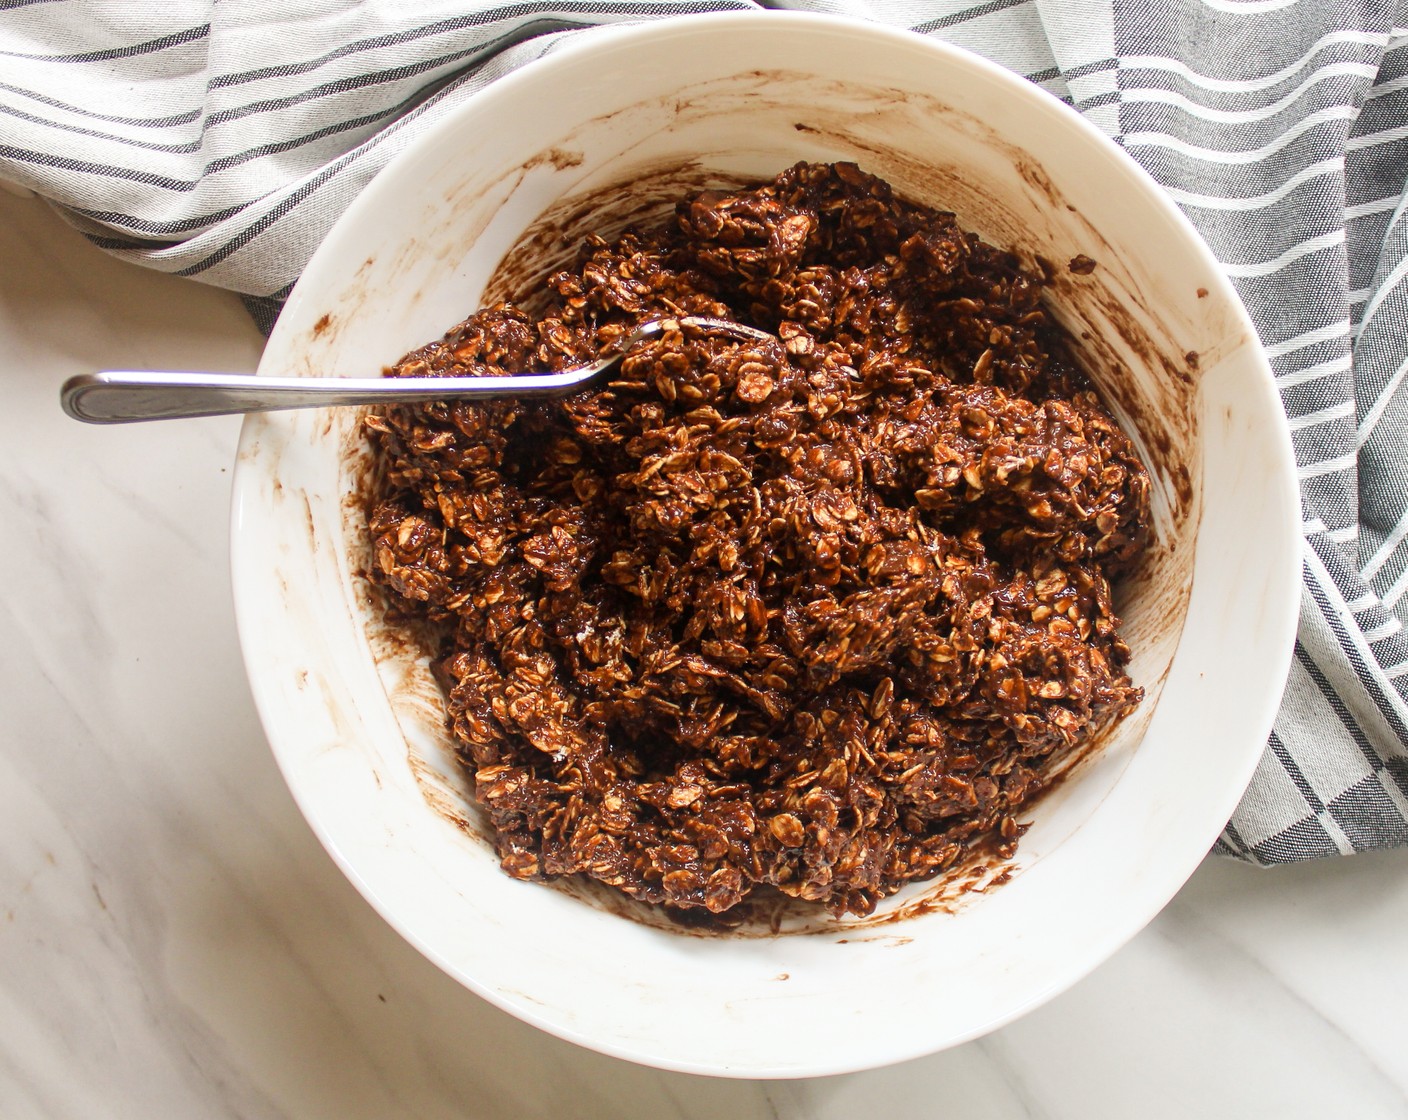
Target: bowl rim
604 40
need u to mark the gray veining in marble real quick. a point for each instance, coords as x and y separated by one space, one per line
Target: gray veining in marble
175 943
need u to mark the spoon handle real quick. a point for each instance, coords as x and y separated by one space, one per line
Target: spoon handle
123 397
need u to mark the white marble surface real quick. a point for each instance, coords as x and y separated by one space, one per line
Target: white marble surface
174 942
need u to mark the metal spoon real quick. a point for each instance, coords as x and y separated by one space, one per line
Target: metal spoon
122 397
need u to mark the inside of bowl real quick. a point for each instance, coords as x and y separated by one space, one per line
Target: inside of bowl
996 191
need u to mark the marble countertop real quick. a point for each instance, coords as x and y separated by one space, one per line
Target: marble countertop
175 943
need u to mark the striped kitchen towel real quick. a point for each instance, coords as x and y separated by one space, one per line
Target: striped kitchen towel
219 141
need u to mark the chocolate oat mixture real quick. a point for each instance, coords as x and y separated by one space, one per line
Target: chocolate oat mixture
813 614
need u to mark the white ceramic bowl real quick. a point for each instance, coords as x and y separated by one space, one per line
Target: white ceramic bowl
617 121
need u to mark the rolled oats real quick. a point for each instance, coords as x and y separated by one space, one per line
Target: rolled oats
810 614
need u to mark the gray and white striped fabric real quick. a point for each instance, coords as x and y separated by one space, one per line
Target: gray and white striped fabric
219 141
